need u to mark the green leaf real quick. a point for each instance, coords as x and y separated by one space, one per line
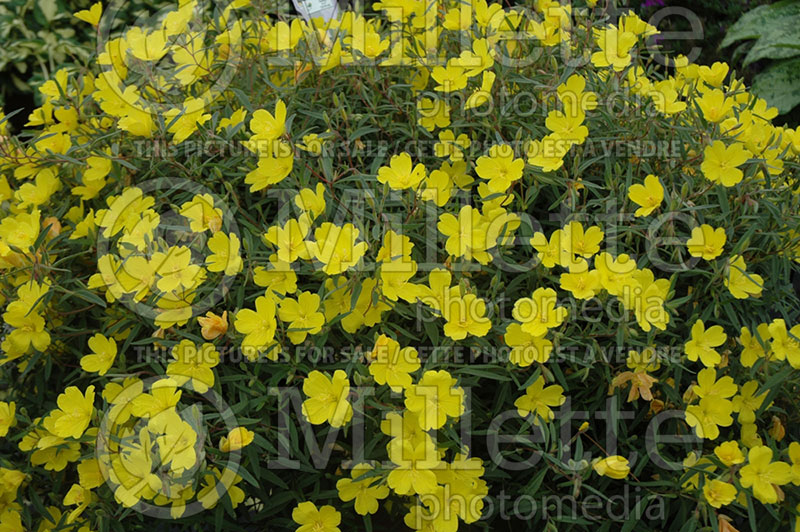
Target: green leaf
778 85
49 9
760 21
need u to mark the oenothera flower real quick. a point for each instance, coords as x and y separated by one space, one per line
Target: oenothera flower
539 399
336 248
311 519
366 490
741 283
465 315
708 385
702 344
402 173
290 240
729 453
224 254
7 417
647 196
526 348
237 438
466 235
74 413
706 242
719 493
267 126
539 313
213 326
327 399
390 364
104 352
785 343
415 467
708 416
612 466
258 326
747 402
302 315
763 475
500 168
720 163
193 364
91 15
435 398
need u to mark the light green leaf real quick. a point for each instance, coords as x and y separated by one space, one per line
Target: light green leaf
778 85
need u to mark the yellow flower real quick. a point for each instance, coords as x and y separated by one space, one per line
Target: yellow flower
526 348
193 363
785 344
401 173
714 105
336 247
729 453
615 47
311 519
435 398
752 347
580 281
104 352
465 316
415 467
567 127
719 493
91 15
702 344
302 315
273 167
539 313
73 415
366 491
720 163
538 400
466 235
450 78
708 416
236 439
706 242
612 466
224 254
500 168
648 196
185 121
7 417
433 113
747 402
389 364
213 326
202 214
290 240
268 127
764 475
740 283
258 326
327 399
708 385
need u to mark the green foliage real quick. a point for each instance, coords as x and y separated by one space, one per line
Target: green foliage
771 32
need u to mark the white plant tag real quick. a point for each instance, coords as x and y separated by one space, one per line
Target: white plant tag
311 9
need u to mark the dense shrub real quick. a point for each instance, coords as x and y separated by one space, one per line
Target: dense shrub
450 265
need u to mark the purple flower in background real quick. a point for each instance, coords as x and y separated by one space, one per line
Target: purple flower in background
652 3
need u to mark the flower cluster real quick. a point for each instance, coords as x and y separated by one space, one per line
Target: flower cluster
224 193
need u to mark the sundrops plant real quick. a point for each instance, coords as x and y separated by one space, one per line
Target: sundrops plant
437 266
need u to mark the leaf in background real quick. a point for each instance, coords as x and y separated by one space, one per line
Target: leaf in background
778 85
756 22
